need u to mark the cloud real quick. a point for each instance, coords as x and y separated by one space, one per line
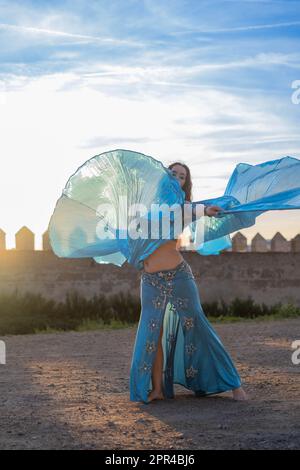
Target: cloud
62 34
79 78
237 28
114 140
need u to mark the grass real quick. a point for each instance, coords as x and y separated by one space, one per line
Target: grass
29 313
90 325
93 325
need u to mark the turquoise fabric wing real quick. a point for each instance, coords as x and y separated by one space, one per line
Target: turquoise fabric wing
92 217
250 191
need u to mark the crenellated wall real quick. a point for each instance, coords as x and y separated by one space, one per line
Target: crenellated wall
267 277
25 239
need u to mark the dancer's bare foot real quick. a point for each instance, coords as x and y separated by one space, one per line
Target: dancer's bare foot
239 394
155 395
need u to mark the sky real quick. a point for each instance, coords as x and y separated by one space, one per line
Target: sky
206 82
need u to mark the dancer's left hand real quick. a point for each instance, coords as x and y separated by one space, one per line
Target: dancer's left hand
212 211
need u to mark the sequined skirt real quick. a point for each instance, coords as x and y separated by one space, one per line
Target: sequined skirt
194 355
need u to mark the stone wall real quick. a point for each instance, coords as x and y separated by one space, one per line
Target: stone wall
25 238
267 277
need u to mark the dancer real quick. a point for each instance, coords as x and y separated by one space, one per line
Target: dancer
174 343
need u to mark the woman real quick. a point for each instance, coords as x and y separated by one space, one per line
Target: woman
174 343
192 347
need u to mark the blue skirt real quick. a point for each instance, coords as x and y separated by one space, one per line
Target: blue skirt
194 355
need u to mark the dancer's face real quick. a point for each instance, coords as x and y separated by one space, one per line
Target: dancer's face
180 173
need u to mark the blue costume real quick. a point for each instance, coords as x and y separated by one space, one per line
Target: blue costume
194 355
91 219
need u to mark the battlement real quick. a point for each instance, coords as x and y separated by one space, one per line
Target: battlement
25 240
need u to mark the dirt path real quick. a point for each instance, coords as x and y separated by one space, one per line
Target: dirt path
70 391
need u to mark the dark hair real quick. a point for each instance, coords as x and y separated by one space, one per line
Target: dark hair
187 187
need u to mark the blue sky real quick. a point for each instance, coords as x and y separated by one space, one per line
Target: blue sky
206 82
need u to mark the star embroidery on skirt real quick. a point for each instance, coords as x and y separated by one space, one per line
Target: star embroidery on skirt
168 275
150 346
155 282
153 324
188 322
158 302
181 302
191 372
190 348
164 289
167 290
146 367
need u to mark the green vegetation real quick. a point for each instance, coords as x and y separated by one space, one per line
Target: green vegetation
32 313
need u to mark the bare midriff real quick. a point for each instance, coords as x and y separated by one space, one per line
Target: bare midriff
167 256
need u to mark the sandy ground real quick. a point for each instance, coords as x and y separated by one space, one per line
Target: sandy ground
71 391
